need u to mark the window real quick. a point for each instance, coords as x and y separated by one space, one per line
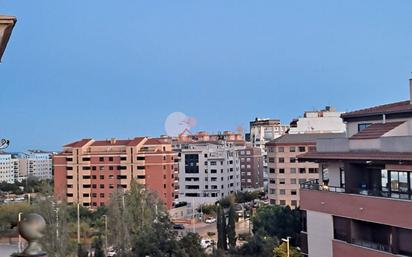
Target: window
292 159
292 170
281 160
271 160
293 181
281 149
302 180
302 149
363 126
101 159
281 171
281 181
271 170
294 203
140 158
282 191
123 158
293 192
313 170
86 159
282 202
110 159
302 170
292 149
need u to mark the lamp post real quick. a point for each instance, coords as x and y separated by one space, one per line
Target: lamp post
78 223
287 240
19 219
105 234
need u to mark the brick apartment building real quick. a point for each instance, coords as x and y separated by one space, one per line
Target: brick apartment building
251 168
88 171
285 171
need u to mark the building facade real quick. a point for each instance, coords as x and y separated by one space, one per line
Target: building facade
285 171
6 168
89 171
251 168
362 203
327 120
208 171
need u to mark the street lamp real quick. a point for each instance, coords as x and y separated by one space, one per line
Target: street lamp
19 219
78 223
105 234
6 26
287 244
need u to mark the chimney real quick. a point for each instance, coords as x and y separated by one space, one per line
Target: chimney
410 91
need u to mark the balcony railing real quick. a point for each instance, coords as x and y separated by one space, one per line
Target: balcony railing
315 185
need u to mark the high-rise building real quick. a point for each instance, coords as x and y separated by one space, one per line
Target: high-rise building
263 131
362 203
89 171
39 164
251 168
285 171
208 171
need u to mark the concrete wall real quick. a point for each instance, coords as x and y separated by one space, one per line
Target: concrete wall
320 234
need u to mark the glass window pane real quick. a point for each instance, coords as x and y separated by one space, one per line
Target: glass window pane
384 180
403 182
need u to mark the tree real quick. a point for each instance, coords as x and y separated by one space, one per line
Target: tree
278 221
231 227
282 251
98 247
221 228
258 246
190 243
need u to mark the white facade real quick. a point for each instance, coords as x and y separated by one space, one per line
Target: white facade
208 172
6 168
324 121
320 234
39 165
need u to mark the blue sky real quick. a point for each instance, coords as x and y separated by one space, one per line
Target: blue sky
102 69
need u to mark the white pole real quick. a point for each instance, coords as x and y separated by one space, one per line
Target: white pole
193 215
78 223
19 219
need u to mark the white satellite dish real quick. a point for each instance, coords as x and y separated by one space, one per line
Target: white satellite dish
178 123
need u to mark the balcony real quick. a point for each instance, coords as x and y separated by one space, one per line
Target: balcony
343 249
363 204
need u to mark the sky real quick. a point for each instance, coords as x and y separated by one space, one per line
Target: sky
100 69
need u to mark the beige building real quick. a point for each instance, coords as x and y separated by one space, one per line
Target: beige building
285 171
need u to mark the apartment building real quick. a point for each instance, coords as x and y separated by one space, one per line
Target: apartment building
327 120
6 27
263 131
89 171
36 164
208 171
6 168
285 171
362 203
251 168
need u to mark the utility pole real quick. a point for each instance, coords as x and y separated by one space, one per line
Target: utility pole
19 219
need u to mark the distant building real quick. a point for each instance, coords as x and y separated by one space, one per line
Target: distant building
263 131
362 203
285 171
327 120
39 165
208 171
251 168
6 168
89 171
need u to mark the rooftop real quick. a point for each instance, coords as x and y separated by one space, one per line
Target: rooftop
360 155
6 26
398 107
376 130
304 138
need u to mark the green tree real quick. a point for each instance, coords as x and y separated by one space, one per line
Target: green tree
282 251
231 227
258 246
191 246
278 221
221 228
98 247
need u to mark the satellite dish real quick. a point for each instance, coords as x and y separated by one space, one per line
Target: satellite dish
177 123
4 143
